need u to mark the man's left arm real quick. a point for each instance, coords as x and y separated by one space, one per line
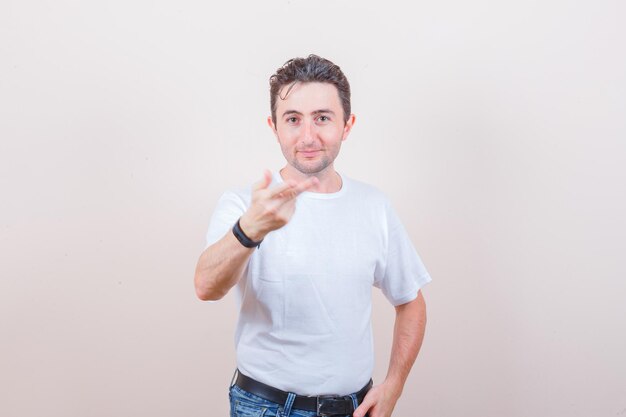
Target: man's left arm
408 334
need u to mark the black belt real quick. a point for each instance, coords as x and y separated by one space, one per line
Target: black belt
324 405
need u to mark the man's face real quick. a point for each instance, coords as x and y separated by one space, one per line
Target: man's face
310 126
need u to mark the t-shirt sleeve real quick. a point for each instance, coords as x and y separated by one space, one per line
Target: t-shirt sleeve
403 272
229 208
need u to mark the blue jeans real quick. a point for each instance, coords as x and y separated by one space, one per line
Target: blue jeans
246 404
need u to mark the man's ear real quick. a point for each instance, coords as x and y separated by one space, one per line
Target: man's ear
272 126
348 127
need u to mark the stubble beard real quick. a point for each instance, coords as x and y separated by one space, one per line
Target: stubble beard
309 167
318 167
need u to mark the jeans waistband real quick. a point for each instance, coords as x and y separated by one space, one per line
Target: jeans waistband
324 405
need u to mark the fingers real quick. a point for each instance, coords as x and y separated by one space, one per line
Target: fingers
282 189
370 400
272 208
292 189
298 188
307 185
362 409
265 182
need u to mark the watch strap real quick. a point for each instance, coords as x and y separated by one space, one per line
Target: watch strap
243 239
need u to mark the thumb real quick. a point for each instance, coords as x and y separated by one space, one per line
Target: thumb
265 182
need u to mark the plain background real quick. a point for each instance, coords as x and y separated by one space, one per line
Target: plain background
497 129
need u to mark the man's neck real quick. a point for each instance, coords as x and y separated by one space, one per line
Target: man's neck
329 180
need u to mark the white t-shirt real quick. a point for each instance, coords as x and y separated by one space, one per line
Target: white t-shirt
305 297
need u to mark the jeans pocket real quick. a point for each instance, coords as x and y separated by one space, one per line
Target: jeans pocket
245 409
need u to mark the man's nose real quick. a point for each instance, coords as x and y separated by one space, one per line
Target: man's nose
308 132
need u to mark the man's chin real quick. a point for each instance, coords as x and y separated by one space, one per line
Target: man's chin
311 169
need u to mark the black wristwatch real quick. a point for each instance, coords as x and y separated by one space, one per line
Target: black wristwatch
243 239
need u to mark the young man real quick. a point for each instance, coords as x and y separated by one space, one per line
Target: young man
302 249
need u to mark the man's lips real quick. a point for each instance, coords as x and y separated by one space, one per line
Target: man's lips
309 153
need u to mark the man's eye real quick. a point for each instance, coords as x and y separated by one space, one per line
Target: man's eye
292 120
323 118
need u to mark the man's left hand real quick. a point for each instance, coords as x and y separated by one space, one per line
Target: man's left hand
379 402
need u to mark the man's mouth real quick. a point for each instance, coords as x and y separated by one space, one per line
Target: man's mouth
310 153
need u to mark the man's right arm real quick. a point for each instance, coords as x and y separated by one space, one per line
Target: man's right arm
221 265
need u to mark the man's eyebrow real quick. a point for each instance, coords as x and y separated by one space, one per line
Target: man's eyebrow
328 111
324 111
286 112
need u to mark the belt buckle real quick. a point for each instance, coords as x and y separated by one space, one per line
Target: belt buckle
331 405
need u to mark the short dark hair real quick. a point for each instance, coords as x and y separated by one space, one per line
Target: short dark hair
310 69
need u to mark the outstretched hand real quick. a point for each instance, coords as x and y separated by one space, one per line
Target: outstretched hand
271 209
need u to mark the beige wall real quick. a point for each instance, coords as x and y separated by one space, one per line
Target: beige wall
496 128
